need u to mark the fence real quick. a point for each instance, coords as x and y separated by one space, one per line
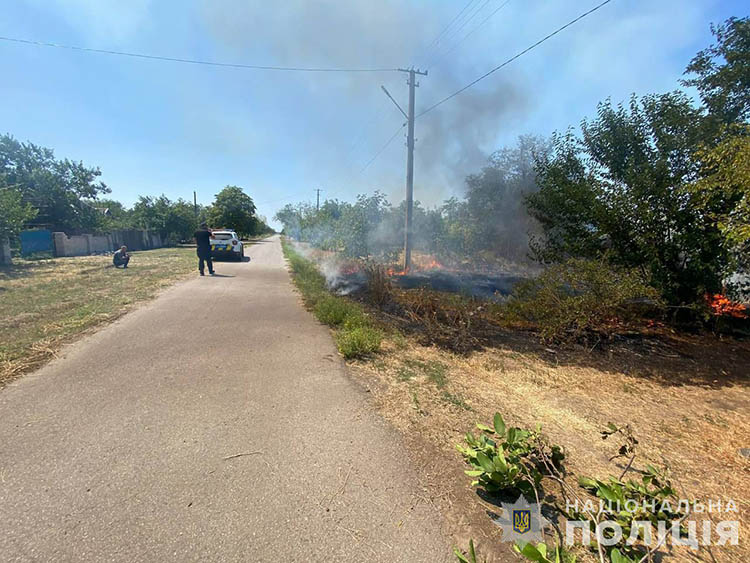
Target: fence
36 241
82 245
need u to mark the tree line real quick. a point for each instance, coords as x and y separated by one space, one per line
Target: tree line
658 185
39 191
489 222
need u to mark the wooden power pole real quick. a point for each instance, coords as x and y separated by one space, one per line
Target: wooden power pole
412 82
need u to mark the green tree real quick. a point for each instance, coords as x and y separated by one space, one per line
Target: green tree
113 215
13 212
61 190
498 219
358 227
233 209
620 190
721 73
174 220
723 192
290 218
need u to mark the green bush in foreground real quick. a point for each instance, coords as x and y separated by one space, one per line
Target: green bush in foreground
359 341
509 460
335 311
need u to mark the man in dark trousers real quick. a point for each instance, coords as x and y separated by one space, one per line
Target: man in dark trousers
121 258
203 241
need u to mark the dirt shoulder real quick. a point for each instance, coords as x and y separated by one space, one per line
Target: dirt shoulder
685 396
687 406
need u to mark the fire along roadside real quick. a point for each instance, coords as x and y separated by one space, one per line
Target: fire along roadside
610 533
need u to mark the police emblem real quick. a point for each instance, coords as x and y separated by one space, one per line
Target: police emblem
521 520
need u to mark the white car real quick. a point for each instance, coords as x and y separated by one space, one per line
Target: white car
225 244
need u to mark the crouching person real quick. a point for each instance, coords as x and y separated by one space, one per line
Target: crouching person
121 257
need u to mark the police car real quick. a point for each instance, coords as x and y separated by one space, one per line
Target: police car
225 244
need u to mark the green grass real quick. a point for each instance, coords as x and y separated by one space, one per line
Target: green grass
434 370
337 311
355 334
455 400
45 303
405 373
358 342
437 373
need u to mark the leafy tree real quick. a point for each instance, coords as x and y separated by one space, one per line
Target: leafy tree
113 215
174 220
359 224
261 226
233 209
621 190
721 73
13 212
290 217
495 199
725 186
61 190
723 192
457 237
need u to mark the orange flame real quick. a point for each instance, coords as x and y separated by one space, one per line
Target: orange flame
721 305
350 268
419 263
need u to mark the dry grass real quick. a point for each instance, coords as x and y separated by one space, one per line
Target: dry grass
46 303
450 362
687 399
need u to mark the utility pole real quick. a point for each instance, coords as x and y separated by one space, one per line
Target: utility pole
317 204
412 82
195 203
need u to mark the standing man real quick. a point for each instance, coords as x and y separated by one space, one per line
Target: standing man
203 242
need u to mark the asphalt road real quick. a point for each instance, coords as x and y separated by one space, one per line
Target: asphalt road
121 449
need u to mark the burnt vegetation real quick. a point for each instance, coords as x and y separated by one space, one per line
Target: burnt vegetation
631 225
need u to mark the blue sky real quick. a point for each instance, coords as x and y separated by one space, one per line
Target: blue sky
159 127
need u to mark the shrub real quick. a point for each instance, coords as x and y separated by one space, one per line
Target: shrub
358 341
579 297
334 311
653 489
508 460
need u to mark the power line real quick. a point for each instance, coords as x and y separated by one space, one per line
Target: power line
455 32
465 37
361 135
385 146
447 27
193 61
513 58
294 196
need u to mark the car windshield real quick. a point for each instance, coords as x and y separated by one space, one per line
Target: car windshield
223 236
